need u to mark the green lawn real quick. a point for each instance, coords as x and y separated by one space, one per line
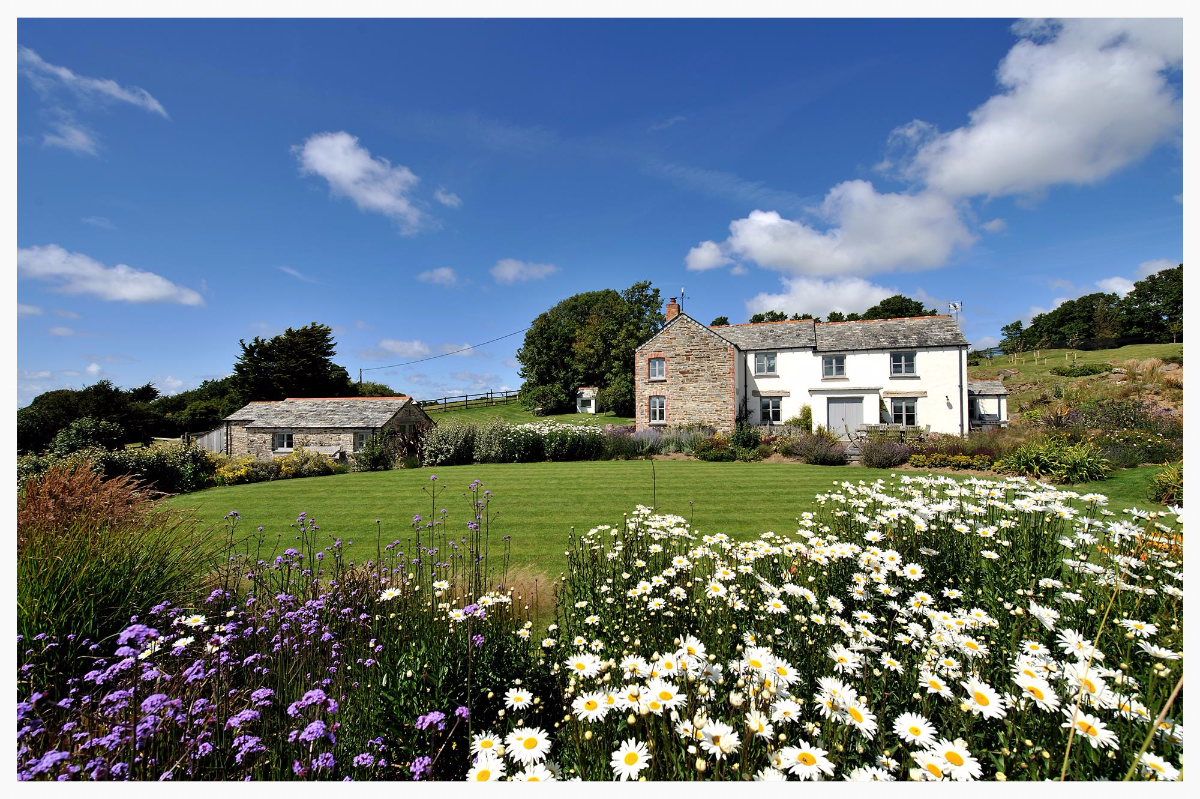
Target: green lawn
515 413
538 503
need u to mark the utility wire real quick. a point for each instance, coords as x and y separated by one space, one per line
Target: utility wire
443 355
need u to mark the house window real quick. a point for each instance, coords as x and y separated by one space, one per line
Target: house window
764 363
658 368
283 441
658 410
406 430
904 363
904 411
769 410
585 403
360 439
833 366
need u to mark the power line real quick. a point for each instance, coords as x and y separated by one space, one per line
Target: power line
443 355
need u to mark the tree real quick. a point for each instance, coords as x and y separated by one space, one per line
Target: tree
85 433
1012 337
836 316
896 307
853 316
588 339
296 363
1154 304
720 321
368 388
40 421
769 316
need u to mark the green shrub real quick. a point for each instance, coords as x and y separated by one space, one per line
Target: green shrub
1056 459
302 462
448 444
821 448
745 437
377 454
745 454
1166 486
1081 370
884 454
713 448
802 420
170 468
87 433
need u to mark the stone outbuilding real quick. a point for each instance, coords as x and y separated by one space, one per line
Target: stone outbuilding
585 399
334 426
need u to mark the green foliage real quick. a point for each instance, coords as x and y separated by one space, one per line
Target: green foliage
1167 484
87 433
768 316
200 409
368 388
1081 370
1154 305
588 339
835 316
802 420
448 445
720 321
40 421
820 448
1057 459
296 363
941 460
896 307
745 437
747 454
377 454
883 454
618 396
302 462
170 468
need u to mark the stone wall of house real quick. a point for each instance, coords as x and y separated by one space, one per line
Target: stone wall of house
700 385
260 442
238 439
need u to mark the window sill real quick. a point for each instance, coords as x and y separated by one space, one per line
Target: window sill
835 379
656 380
906 377
657 424
766 374
283 450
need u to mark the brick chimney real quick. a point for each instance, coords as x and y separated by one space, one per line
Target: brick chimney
672 309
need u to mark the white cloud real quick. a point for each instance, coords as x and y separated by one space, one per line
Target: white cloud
818 297
93 369
666 123
372 183
405 349
442 276
68 136
65 314
994 225
1078 100
1115 285
463 350
169 385
865 232
361 324
98 221
47 77
447 198
1147 268
985 342
38 375
24 310
58 330
512 363
510 270
296 273
76 273
706 255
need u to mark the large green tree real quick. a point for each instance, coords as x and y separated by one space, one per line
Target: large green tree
296 363
1155 305
897 306
588 339
40 421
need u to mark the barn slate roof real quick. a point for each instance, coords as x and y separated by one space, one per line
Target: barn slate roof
301 412
876 334
986 388
768 335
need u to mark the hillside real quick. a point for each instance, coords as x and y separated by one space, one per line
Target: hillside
516 414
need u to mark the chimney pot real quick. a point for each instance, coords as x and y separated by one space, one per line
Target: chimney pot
672 309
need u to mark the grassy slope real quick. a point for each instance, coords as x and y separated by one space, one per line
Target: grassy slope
538 503
516 414
1034 377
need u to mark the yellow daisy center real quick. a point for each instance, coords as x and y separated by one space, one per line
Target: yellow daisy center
914 731
954 758
530 743
591 704
933 769
806 759
982 699
856 714
631 758
1088 728
1037 692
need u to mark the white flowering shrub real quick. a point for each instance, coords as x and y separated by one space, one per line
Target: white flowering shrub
921 629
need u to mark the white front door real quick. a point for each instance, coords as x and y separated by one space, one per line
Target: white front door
845 415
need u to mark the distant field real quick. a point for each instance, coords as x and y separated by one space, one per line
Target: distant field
515 413
538 503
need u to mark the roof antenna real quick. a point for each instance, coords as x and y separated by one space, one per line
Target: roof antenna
955 308
682 296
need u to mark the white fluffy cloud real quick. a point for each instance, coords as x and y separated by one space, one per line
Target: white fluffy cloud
93 369
372 183
1147 268
706 255
24 310
1115 285
819 297
864 232
463 350
1078 100
405 349
442 276
70 136
169 385
47 77
510 270
76 273
447 198
995 225
60 331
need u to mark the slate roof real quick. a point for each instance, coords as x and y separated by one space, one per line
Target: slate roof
769 335
987 388
300 412
876 334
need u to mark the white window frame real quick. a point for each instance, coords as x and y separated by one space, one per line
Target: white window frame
770 363
281 437
660 407
835 361
661 372
903 402
361 437
907 359
770 410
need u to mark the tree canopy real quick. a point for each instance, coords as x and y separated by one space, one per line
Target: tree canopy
897 306
588 339
296 363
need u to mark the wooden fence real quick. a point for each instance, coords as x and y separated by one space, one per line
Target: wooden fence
464 401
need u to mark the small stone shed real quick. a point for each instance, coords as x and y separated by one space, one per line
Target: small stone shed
988 403
334 426
585 399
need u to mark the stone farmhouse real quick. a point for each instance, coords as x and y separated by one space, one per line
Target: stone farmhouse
911 372
334 426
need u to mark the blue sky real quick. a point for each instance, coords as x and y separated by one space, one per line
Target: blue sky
424 185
